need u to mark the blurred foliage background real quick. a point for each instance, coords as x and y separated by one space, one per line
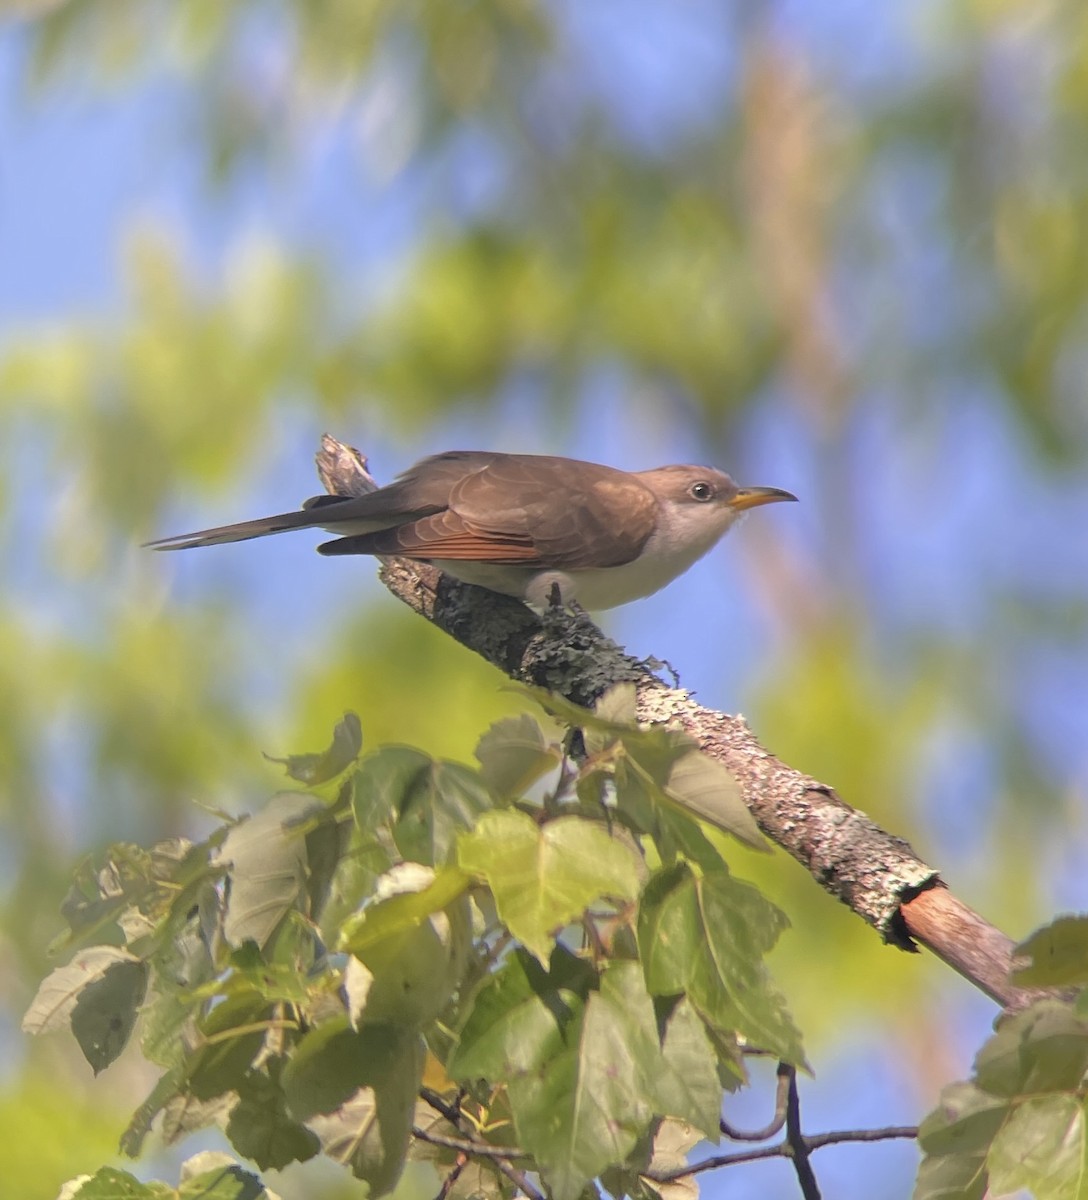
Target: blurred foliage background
833 247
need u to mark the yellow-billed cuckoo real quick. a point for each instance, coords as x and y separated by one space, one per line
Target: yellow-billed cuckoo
540 528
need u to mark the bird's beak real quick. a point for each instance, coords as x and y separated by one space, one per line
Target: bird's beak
753 497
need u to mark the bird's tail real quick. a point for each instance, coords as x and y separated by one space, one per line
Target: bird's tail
315 513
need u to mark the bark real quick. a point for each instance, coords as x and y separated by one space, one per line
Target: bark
873 872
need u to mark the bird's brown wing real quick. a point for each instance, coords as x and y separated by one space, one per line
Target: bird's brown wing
522 510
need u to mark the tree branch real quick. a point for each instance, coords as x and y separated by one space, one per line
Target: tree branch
783 1150
873 872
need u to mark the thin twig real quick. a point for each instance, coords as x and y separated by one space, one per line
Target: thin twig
782 1150
795 1139
466 1146
761 1135
815 1140
453 1176
499 1155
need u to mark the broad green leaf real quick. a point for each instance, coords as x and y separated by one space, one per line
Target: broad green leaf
326 1067
415 946
357 1091
212 1175
617 705
674 831
105 1012
234 1032
98 994
583 1067
673 1143
964 1121
332 1061
678 1078
514 753
678 773
1042 1049
371 1132
573 714
108 1183
591 1099
703 787
315 769
1042 1148
545 876
266 856
688 1086
138 1128
517 1013
1058 953
707 938
184 1114
102 889
326 843
364 859
261 1129
955 1177
428 801
404 911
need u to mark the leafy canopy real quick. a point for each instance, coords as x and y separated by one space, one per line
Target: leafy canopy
544 955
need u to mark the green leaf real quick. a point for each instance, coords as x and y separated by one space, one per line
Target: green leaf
102 889
106 1010
678 1078
260 1127
326 844
315 769
1042 1148
184 1114
667 759
583 1067
1042 1049
674 832
706 938
964 1122
234 1032
212 1175
414 945
363 861
1058 953
688 1086
957 1177
543 877
371 1132
514 753
677 773
617 705
405 910
592 1096
517 1012
98 994
357 1090
573 714
138 1128
703 787
108 1183
429 801
266 855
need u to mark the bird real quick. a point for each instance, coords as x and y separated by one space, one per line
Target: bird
545 529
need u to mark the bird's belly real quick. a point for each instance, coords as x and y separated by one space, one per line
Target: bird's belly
594 588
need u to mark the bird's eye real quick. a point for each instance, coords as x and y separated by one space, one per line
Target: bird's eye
701 490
